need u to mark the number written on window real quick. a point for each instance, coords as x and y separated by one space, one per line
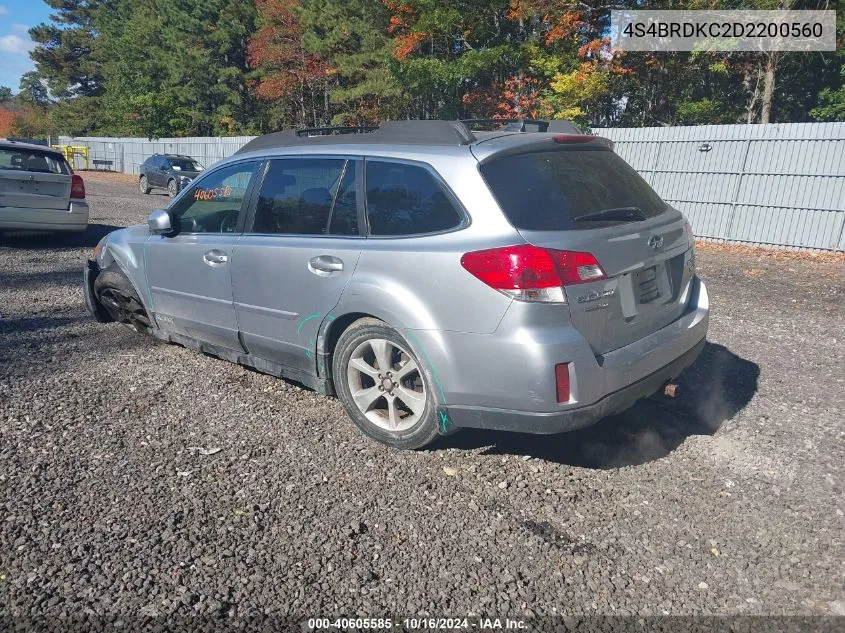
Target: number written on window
213 204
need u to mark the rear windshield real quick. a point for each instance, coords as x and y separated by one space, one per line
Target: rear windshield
185 164
21 159
550 191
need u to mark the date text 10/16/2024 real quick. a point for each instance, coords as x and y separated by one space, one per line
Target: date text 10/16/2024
416 623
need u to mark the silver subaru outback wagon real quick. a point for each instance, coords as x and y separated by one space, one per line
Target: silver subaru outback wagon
431 276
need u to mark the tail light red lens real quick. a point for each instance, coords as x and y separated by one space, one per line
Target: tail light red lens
562 382
77 187
513 267
577 268
530 273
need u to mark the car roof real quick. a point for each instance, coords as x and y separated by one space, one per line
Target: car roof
5 142
483 146
415 133
172 156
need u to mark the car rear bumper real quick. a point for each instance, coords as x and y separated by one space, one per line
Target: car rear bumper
571 419
506 380
74 218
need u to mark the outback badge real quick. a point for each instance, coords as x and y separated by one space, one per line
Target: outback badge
598 298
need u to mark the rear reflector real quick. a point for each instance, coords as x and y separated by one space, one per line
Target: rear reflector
562 382
530 273
77 187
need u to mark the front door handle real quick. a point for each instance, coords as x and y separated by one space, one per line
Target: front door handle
325 264
215 258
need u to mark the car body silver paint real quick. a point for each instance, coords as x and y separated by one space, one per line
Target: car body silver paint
39 201
480 349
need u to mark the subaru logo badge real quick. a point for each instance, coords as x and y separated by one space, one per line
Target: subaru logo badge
656 242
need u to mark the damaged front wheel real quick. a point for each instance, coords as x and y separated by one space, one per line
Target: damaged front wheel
118 296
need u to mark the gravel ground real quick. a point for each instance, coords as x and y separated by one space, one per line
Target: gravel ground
140 479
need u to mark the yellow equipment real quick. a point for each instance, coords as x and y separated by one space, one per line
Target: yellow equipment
72 151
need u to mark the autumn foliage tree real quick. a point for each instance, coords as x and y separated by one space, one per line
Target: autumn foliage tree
294 82
204 67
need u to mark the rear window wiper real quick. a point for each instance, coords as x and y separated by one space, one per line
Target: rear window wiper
628 214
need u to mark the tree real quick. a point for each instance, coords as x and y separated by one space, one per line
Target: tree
7 118
177 67
33 122
294 82
5 94
831 96
67 53
352 39
32 90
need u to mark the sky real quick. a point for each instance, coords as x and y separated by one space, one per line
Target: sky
16 18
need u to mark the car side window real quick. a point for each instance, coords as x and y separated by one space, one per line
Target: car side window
308 196
212 205
404 199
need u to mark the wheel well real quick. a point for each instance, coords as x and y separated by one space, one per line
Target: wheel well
337 328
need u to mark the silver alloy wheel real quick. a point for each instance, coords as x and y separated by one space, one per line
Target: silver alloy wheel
172 189
142 183
386 385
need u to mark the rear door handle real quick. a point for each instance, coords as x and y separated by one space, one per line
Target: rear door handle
325 264
215 257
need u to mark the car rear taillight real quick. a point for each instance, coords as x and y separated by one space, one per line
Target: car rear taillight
530 273
562 382
77 187
577 268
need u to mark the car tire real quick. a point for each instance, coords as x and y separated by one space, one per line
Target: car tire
403 413
172 188
143 184
118 296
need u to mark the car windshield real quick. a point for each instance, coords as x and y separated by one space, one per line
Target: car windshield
21 159
185 164
570 190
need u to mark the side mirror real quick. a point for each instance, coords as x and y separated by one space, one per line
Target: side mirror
159 222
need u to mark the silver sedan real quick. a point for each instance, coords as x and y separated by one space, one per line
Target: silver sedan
39 191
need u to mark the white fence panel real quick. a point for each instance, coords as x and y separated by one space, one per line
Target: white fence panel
780 185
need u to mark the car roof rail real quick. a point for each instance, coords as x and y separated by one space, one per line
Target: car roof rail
411 132
524 125
335 129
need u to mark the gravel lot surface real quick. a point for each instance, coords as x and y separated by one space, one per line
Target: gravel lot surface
139 479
